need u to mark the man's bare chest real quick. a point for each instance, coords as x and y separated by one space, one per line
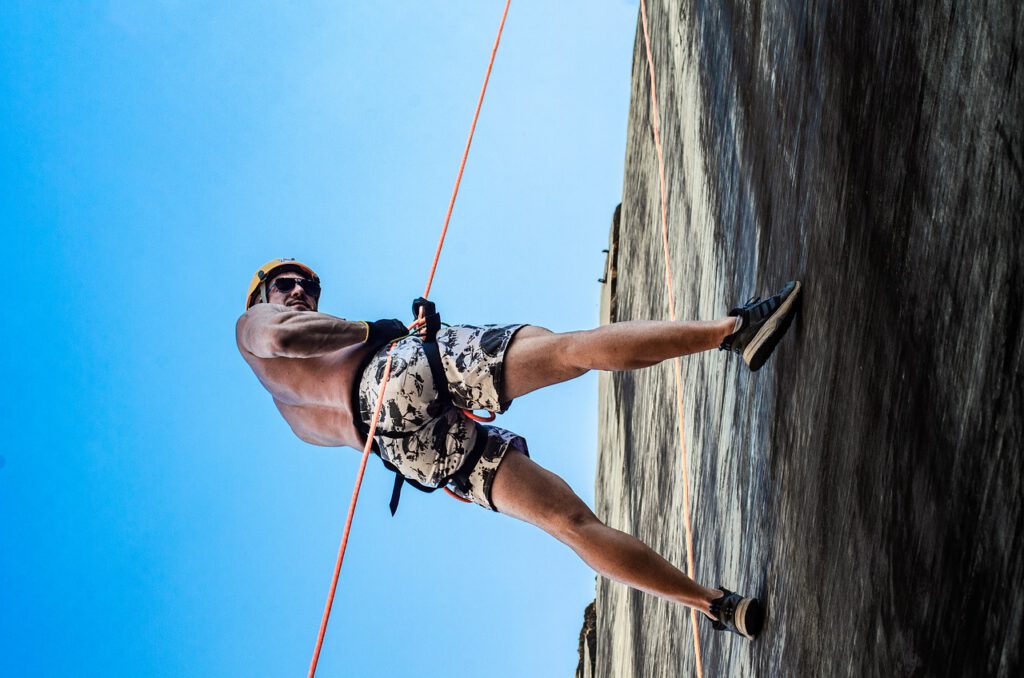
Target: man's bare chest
308 382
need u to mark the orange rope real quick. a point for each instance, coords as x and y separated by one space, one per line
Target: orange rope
672 316
465 153
348 520
387 369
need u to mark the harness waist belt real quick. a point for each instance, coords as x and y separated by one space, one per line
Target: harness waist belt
443 400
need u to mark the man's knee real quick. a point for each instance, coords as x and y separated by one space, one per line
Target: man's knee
572 522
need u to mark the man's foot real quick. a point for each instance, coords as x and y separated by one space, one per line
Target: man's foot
763 322
733 612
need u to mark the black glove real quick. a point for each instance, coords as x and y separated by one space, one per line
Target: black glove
428 332
382 331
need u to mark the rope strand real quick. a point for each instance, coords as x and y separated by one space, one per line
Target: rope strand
465 153
677 372
348 520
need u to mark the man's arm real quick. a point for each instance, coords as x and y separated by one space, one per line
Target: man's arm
275 331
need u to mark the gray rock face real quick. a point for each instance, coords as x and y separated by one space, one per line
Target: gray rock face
867 482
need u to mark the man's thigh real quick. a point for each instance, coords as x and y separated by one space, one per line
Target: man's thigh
526 490
536 357
473 359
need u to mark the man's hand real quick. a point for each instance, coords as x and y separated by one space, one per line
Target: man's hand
427 318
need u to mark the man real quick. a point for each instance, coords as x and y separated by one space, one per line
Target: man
325 372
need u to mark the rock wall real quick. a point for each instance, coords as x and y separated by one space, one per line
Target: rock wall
867 482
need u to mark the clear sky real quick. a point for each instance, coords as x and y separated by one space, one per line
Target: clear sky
157 517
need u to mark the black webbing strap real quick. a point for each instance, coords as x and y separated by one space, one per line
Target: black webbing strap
460 478
444 396
396 492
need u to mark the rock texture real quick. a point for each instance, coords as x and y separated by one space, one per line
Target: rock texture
867 482
588 642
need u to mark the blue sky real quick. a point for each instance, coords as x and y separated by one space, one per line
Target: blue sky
156 515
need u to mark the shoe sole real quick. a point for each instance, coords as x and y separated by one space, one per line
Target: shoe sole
767 338
749 607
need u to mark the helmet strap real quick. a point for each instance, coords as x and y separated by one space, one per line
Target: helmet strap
263 287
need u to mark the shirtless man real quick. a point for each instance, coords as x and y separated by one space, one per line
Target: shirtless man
324 374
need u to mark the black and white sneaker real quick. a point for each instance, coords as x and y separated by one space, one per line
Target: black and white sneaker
764 321
733 612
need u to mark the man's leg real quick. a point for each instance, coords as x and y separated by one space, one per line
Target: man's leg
537 357
525 490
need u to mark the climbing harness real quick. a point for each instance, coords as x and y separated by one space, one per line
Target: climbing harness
425 311
677 364
428 322
422 319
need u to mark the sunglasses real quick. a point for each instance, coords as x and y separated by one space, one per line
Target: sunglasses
286 285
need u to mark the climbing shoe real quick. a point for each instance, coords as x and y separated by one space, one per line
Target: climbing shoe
764 321
733 612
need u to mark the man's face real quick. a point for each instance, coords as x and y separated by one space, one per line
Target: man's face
296 298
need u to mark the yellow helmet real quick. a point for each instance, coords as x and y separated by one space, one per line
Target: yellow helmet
267 271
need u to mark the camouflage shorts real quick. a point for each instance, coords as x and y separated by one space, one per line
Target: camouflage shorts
433 443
